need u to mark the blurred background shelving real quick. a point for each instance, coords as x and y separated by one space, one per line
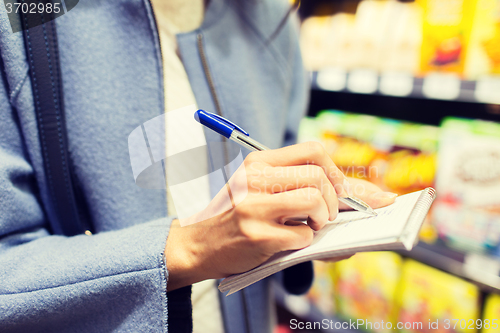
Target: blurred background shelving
426 111
433 86
406 94
398 53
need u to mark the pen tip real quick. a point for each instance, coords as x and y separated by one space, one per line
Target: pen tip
372 212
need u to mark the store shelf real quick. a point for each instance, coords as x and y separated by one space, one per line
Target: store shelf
419 110
480 269
301 307
439 86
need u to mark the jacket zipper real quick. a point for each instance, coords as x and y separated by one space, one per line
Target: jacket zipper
161 52
213 92
164 87
218 109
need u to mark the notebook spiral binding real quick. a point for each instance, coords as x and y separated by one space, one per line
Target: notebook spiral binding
418 213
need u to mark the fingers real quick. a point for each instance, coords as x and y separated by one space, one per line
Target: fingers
381 199
302 202
282 179
306 201
288 237
370 193
305 154
266 235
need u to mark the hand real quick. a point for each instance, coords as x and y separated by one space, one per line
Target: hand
368 192
274 186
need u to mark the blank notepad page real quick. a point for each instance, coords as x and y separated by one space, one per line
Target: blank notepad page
355 227
395 226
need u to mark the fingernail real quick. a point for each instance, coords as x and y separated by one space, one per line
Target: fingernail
347 187
385 195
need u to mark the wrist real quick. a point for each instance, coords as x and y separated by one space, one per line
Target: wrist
182 258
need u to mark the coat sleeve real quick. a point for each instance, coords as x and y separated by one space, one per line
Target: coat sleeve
105 282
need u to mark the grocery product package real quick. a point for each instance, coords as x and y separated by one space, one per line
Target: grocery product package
397 156
467 211
491 314
366 286
429 300
483 56
446 32
382 35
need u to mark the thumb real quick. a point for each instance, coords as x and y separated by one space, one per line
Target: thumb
370 193
380 199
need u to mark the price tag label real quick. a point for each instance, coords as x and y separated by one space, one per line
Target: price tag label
396 83
488 89
441 86
331 79
364 81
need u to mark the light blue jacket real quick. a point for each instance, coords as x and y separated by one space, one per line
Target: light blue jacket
111 66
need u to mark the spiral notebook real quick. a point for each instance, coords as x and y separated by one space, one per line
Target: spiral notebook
395 227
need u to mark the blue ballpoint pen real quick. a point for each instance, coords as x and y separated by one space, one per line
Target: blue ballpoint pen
237 134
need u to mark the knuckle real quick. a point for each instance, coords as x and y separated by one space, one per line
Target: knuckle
252 174
315 149
253 182
325 214
252 231
314 197
316 171
316 193
252 157
317 197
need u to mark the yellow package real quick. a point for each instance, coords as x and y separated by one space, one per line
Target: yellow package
408 171
365 288
446 31
411 165
347 141
431 300
483 56
491 316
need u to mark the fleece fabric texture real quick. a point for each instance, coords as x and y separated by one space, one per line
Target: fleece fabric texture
115 280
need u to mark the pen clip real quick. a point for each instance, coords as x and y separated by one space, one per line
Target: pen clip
217 123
